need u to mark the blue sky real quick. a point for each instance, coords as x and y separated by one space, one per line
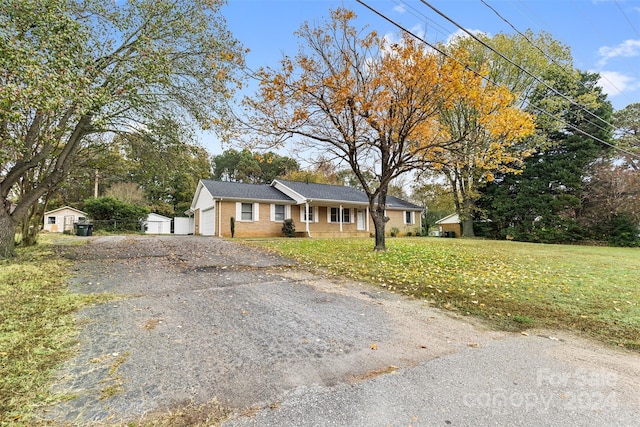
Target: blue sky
604 35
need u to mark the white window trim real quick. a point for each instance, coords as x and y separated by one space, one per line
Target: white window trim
412 217
314 211
350 215
255 214
287 212
341 216
329 215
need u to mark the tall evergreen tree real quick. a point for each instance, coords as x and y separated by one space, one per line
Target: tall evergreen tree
542 203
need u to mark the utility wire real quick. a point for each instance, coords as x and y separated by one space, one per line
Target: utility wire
627 18
415 12
467 67
550 58
491 48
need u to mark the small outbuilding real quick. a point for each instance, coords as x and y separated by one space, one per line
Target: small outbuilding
450 226
62 219
157 224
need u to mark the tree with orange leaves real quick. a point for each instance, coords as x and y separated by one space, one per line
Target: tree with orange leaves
482 130
358 99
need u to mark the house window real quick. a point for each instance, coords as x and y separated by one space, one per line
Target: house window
278 213
247 212
408 217
346 215
51 220
334 215
308 214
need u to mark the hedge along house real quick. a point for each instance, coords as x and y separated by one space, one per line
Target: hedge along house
317 210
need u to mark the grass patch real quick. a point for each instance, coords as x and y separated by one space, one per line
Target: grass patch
515 285
37 328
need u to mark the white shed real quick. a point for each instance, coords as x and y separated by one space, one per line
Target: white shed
62 219
157 224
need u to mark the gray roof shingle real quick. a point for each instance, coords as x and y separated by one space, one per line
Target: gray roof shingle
315 191
238 190
310 191
341 193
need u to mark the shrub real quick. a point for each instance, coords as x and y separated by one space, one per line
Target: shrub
288 228
394 231
111 214
233 226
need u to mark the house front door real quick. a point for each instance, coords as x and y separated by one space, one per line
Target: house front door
361 220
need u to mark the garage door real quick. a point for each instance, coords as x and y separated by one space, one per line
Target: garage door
208 222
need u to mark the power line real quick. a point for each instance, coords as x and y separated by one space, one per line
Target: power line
488 46
537 47
627 18
527 13
467 67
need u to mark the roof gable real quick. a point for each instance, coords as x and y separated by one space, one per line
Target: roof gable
78 211
157 217
312 191
449 219
242 191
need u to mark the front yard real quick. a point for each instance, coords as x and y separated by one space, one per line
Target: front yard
516 286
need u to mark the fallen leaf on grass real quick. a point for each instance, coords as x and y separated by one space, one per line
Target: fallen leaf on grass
374 346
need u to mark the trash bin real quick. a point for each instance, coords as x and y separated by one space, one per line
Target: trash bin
89 229
82 229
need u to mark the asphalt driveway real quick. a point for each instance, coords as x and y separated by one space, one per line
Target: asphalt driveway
210 320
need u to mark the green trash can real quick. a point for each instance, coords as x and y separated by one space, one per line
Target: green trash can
82 229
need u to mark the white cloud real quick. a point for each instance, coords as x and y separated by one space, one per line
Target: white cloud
614 83
461 33
399 9
626 49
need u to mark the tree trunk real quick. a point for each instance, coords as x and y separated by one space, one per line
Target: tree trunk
379 226
467 218
7 235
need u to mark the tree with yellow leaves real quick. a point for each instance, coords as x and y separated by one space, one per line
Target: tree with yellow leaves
482 129
358 99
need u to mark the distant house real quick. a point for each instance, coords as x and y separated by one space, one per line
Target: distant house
317 210
62 219
450 224
157 224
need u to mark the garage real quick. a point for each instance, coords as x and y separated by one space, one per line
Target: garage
208 222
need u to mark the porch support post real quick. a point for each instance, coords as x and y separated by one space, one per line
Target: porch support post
306 218
340 213
367 218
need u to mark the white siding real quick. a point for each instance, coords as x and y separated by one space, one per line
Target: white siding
208 222
181 225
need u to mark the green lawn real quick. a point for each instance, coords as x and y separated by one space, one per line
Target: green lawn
515 285
37 329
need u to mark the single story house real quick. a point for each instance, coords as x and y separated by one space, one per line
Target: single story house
317 210
157 224
62 219
450 224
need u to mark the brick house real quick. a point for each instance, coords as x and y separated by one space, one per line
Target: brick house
317 210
